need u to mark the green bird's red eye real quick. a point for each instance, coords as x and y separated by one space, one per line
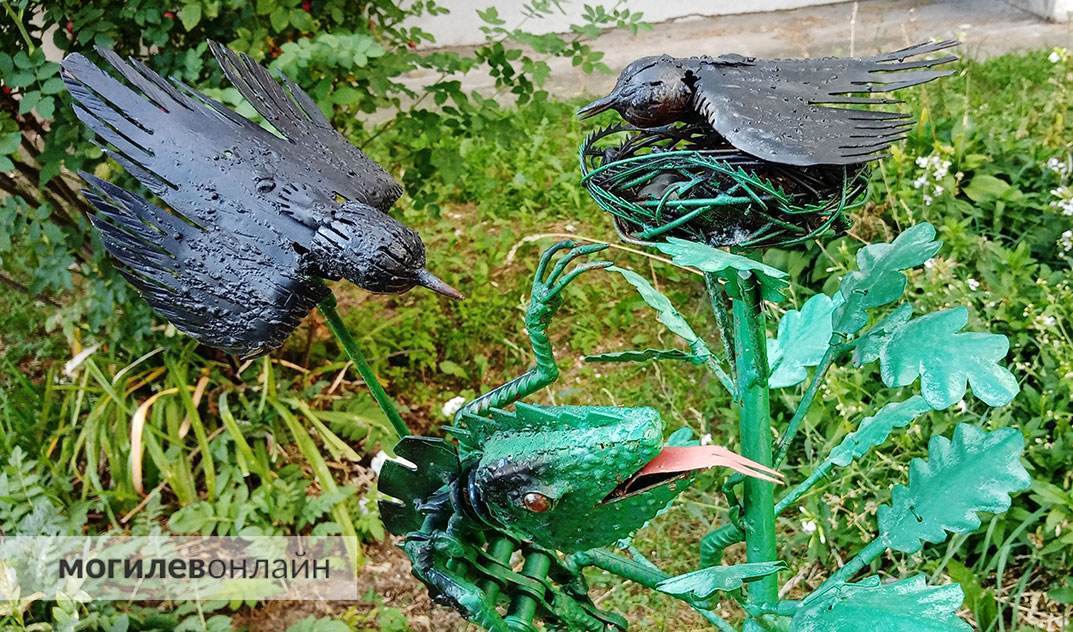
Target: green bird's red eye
536 502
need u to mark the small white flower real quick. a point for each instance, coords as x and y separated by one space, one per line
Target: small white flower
1065 242
1054 57
938 190
706 439
927 200
962 406
929 264
973 284
451 406
920 182
363 505
378 462
922 161
808 526
1046 322
570 228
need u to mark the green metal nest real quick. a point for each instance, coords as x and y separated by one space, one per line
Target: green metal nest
684 181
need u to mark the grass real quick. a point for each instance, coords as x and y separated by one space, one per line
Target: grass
227 448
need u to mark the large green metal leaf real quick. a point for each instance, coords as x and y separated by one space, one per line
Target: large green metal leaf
645 354
908 605
874 430
667 314
879 279
729 267
977 471
700 585
802 339
945 360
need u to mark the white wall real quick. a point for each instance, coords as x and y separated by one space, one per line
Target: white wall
1054 10
462 25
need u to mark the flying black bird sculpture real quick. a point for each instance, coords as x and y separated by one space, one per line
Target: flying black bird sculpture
258 217
785 111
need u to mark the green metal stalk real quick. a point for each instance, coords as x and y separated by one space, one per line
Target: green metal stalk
523 608
350 346
754 429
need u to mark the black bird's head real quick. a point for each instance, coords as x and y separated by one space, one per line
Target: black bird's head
374 251
650 92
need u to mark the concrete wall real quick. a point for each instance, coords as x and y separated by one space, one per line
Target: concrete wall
1053 10
461 26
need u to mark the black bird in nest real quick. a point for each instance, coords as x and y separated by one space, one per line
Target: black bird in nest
788 132
259 217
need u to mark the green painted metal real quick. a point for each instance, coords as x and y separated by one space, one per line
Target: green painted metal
665 182
350 347
537 480
754 430
908 605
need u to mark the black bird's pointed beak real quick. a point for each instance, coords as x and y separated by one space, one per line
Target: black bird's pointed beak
437 285
599 105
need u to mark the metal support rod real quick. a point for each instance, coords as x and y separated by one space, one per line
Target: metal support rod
644 573
350 346
754 429
523 607
500 549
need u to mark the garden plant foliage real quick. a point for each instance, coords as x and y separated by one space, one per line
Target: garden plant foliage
284 444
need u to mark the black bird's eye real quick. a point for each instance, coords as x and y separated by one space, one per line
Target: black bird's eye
536 502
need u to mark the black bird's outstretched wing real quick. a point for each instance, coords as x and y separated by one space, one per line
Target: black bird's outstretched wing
792 111
343 167
220 288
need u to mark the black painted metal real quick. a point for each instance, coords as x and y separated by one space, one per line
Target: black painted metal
259 217
787 111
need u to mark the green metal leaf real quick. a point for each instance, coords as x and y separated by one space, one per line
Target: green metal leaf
879 279
729 267
700 585
871 343
908 605
874 430
802 339
646 354
667 314
977 471
945 360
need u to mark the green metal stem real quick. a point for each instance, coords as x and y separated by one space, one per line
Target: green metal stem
523 607
500 549
833 353
644 573
350 346
718 299
863 558
754 429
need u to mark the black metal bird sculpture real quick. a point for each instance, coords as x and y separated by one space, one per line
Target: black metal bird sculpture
258 217
746 152
786 111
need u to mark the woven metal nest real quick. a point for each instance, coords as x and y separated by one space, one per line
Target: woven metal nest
686 181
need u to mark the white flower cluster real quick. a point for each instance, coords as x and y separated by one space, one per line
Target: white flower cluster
1065 242
1058 55
1064 203
452 406
934 170
1059 166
